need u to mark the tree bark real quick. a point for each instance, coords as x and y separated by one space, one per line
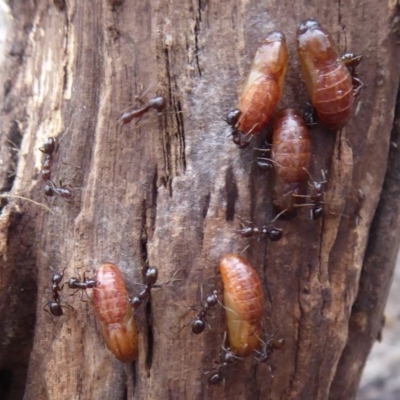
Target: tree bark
168 190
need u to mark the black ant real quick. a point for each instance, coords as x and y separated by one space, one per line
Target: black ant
51 190
49 146
46 167
269 347
227 358
274 234
150 279
86 283
200 322
55 307
316 197
157 103
240 140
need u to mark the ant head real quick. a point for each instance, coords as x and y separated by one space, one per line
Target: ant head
72 281
158 103
48 190
212 299
57 277
228 356
317 186
135 302
151 276
198 326
233 116
48 146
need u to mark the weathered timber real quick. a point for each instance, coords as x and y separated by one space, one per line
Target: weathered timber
168 190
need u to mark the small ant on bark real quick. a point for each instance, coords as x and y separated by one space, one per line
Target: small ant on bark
200 322
157 103
54 305
150 279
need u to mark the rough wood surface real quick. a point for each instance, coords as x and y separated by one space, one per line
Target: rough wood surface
171 188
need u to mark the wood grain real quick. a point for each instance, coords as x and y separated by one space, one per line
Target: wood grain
168 190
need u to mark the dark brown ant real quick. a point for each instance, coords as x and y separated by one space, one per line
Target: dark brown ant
85 283
157 103
316 197
55 307
274 234
150 279
269 347
49 148
51 190
200 322
227 358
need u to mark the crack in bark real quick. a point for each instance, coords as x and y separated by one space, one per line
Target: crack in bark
197 34
134 378
154 200
232 194
148 309
150 335
175 161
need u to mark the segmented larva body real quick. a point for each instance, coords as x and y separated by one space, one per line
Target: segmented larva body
291 152
263 88
244 303
329 82
114 312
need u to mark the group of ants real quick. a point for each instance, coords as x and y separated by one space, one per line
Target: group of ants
55 305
